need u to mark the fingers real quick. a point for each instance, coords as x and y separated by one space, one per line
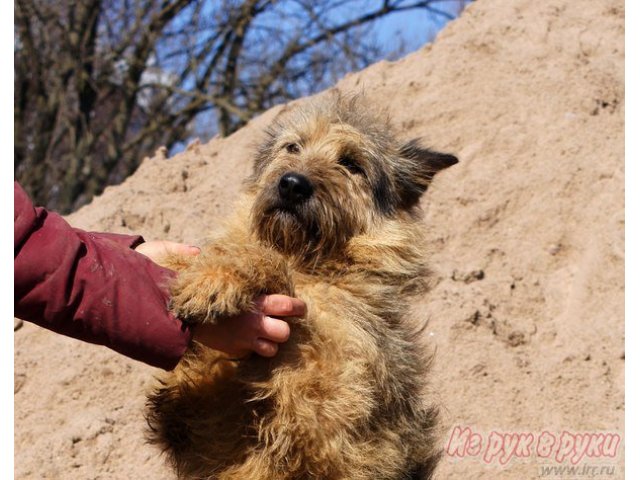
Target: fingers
265 348
240 335
281 306
271 332
274 330
267 333
253 331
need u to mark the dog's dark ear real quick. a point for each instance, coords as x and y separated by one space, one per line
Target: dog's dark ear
423 165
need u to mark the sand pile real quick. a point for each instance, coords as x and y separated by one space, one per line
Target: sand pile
527 234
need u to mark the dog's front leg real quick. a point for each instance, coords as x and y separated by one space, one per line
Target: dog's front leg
225 279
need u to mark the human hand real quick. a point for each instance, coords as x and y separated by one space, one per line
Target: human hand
249 332
157 250
252 331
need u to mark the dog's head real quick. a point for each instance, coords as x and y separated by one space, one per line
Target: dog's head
330 170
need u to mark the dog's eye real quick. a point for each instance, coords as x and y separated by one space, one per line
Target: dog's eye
350 164
292 147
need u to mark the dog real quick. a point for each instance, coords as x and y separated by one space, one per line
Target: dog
331 215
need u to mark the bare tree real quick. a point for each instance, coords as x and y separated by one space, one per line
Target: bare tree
99 84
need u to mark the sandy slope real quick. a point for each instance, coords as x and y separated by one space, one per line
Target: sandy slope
530 95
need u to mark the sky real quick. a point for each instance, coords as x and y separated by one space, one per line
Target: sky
411 30
416 28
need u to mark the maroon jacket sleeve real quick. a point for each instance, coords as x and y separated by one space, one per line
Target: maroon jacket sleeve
93 287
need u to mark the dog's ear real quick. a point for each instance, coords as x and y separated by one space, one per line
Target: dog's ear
422 166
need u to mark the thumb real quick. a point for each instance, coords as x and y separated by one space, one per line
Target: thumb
181 248
159 249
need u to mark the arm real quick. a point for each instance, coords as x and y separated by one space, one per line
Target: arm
93 287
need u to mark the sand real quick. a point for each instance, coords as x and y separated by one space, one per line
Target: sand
526 234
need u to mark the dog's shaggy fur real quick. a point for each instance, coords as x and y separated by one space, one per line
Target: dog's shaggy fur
330 216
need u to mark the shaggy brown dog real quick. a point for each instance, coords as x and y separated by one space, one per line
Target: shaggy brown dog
331 216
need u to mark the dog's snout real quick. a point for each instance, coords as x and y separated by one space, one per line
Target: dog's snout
294 187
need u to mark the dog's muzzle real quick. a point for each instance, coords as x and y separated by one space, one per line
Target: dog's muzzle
294 188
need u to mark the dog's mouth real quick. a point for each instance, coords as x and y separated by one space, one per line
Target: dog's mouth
282 210
285 212
290 227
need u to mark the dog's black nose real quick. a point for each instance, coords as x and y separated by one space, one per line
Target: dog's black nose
294 187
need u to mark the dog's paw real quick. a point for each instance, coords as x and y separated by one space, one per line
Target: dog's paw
205 296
